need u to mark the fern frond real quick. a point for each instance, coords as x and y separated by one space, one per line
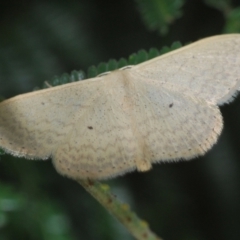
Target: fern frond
111 65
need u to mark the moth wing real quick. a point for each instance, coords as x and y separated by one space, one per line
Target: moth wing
208 68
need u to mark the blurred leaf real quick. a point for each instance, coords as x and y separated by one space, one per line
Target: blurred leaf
2 152
122 63
233 21
112 64
65 78
158 15
222 5
31 218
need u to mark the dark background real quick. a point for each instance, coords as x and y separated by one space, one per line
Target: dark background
198 199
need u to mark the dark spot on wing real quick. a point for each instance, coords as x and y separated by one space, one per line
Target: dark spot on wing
90 127
170 105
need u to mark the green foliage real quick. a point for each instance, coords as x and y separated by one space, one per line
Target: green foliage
158 15
52 223
222 5
231 14
2 152
233 21
111 65
65 78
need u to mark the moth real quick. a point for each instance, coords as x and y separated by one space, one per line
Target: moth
162 110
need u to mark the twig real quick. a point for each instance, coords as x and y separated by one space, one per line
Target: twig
137 227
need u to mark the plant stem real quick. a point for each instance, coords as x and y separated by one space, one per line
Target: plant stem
137 227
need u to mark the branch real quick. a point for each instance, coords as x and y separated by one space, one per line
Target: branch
137 227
